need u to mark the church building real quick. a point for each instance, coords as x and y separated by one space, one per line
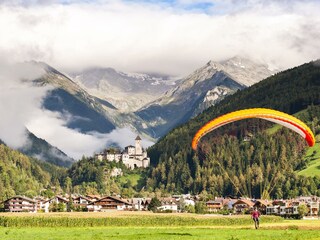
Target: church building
132 156
135 156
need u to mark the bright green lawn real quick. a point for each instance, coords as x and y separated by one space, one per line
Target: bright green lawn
153 233
313 168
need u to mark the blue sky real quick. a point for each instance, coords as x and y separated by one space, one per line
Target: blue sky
192 5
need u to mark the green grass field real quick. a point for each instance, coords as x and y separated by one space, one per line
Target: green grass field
145 225
313 168
98 233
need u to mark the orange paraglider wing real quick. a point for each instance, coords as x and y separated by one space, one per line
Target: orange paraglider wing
263 113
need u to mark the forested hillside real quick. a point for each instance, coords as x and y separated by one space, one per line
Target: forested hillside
22 175
227 165
92 176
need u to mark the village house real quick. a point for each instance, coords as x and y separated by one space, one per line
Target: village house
287 208
292 207
313 208
80 202
132 156
262 205
214 205
20 204
42 204
108 203
242 205
168 204
140 204
92 197
278 207
220 203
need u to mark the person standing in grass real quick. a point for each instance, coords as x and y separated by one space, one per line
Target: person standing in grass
255 215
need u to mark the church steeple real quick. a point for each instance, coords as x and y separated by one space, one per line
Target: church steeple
138 145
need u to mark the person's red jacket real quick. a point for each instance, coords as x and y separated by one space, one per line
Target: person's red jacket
255 214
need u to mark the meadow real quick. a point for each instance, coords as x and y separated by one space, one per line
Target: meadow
144 225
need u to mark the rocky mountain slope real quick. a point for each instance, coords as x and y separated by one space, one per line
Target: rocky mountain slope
200 90
86 112
126 91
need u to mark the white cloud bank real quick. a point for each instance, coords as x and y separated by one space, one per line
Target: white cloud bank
51 126
21 108
159 38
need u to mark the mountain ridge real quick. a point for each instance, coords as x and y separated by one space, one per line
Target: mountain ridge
289 91
189 97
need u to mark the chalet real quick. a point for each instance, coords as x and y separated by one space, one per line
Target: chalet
168 204
283 207
42 204
58 199
189 202
312 202
292 207
80 201
140 203
262 205
242 205
20 204
313 208
220 203
108 203
185 198
214 205
92 197
228 203
278 207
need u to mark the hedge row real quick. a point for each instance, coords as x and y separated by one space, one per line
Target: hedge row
141 221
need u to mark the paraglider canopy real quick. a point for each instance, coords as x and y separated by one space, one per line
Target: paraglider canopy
263 113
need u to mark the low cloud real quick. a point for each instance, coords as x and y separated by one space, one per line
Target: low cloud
21 108
52 127
19 102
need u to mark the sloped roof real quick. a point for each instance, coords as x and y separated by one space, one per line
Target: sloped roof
138 138
22 197
112 197
263 202
245 201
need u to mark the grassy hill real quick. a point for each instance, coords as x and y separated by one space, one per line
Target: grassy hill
312 158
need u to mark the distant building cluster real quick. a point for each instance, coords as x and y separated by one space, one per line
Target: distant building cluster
175 203
280 207
132 156
89 203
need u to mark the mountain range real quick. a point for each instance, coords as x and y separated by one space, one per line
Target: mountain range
99 100
203 88
153 104
264 165
127 92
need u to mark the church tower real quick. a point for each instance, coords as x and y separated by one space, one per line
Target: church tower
138 145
